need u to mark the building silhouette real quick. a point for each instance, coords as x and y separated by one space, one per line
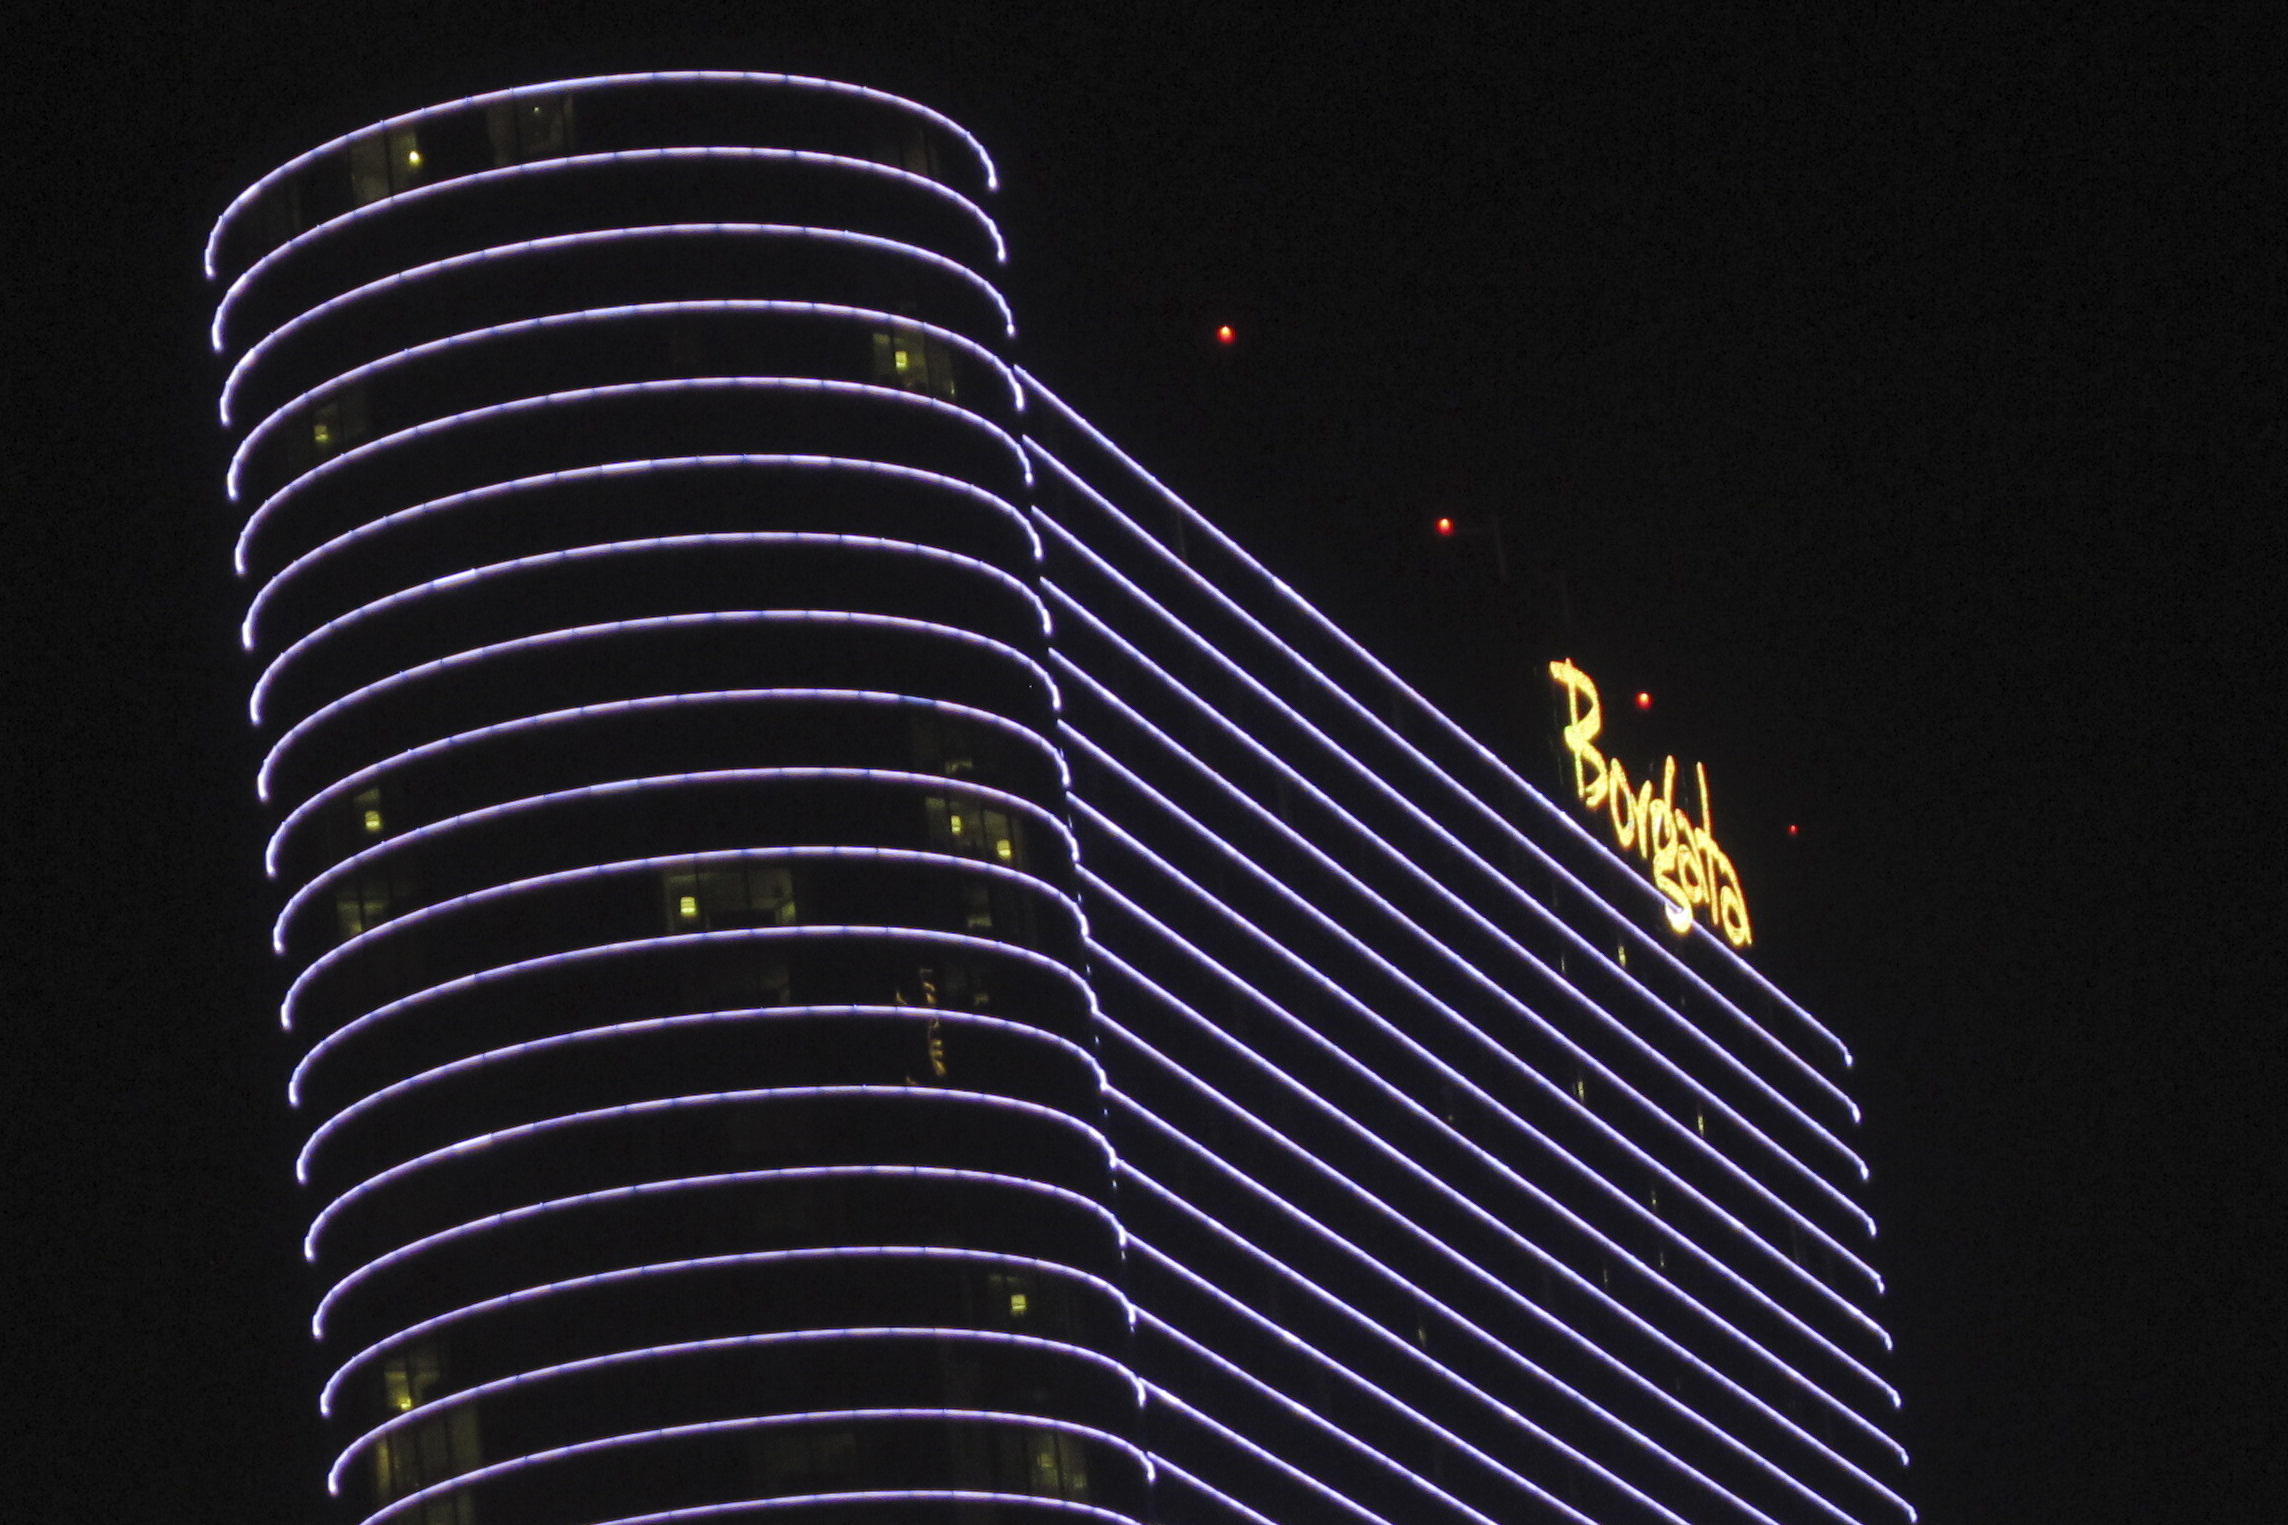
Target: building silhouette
854 958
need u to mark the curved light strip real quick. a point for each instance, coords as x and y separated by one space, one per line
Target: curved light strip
1507 885
262 346
520 1298
405 1252
473 575
772 1421
1436 1244
991 1500
1389 1400
896 776
951 1333
1162 1466
1436 887
1523 1128
436 188
1567 1102
621 469
727 1017
476 654
501 972
1541 802
1391 1277
896 396
1328 1427
617 707
721 305
303 160
912 856
1533 1252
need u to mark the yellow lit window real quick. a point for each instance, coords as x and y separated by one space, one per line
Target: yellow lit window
1018 1304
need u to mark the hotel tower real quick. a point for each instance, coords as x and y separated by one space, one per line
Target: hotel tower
853 959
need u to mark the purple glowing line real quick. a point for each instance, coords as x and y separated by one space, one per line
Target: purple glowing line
892 776
405 1252
872 697
1385 1336
771 1421
1162 1464
517 1299
914 857
868 315
1438 1246
1279 1464
1389 1400
1312 1418
1569 1103
1477 976
630 468
1533 1252
589 82
262 346
476 654
1396 797
990 1101
473 575
896 396
513 1051
961 940
709 1346
809 158
1525 1129
1565 821
1430 882
983 1496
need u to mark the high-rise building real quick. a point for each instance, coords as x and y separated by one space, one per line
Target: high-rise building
853 957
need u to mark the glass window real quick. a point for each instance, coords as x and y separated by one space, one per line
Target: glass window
384 163
908 358
420 1454
530 129
742 895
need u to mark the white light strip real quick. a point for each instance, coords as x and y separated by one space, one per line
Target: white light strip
509 1053
1383 1272
1401 800
516 1464
1383 849
670 230
741 1260
1325 1362
663 465
809 158
1694 1142
933 1333
303 160
896 397
1285 1468
1533 1252
648 1189
1161 1466
284 412
1563 819
914 857
894 777
620 707
1525 1129
742 538
985 1497
1319 1422
821 617
823 933
1318 1165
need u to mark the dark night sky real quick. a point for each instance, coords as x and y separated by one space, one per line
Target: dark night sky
1897 400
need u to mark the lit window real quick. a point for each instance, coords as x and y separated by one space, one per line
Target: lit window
525 130
425 1453
383 163
913 360
1018 1303
742 895
373 823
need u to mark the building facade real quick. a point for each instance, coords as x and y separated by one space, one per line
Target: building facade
852 957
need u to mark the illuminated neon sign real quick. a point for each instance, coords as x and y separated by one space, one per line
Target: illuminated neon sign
1687 865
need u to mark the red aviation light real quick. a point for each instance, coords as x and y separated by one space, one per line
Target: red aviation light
1791 828
1224 335
1445 526
1644 700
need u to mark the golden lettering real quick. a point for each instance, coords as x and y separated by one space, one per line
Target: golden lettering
1688 868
